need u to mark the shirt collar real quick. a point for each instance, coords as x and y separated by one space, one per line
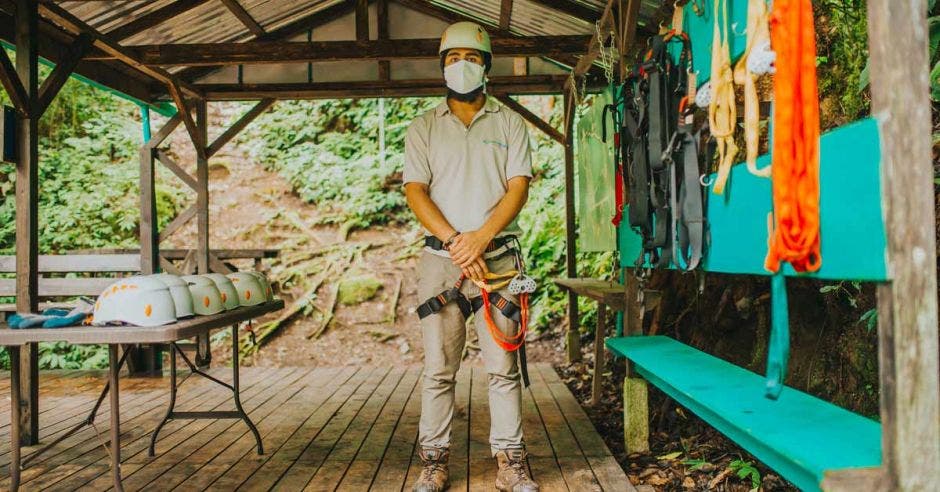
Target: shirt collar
490 106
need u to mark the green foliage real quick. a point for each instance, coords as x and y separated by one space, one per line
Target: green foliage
60 355
870 318
745 470
842 56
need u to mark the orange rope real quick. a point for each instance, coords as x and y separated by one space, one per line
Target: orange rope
506 342
795 235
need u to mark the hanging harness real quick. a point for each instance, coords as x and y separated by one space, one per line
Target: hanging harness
517 283
660 151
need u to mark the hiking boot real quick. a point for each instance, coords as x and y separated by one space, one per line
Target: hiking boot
513 475
434 474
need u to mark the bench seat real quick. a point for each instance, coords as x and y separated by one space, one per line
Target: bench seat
798 435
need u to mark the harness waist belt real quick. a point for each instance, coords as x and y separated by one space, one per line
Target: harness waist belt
438 245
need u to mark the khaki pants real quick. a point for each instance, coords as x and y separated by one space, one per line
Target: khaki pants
444 336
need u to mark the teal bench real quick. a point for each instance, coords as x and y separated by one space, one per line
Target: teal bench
798 435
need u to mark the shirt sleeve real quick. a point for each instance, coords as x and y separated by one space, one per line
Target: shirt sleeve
520 154
417 166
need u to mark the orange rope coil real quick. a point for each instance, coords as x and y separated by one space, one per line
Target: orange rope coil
795 234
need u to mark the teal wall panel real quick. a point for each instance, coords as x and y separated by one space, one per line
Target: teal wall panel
701 30
853 234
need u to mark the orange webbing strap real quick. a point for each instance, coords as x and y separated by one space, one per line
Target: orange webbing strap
758 33
795 235
722 116
506 342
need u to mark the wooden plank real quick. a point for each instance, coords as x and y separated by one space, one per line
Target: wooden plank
392 474
27 212
244 17
278 462
482 471
335 464
157 138
61 287
173 166
179 221
179 254
61 16
73 457
149 235
572 340
239 125
605 23
599 353
276 429
381 12
152 19
606 292
505 14
627 30
362 469
907 310
532 84
363 402
362 20
542 463
273 52
185 113
13 86
78 263
209 433
58 77
202 192
91 469
531 118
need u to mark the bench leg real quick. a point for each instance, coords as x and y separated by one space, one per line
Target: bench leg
236 391
113 370
636 430
152 450
599 335
15 421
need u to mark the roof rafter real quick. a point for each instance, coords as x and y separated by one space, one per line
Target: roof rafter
244 17
154 18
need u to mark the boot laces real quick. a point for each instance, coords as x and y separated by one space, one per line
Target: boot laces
517 465
431 467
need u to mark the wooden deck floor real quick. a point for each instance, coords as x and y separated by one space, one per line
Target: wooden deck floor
343 428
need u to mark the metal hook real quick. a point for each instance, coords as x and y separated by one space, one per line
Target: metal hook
704 181
734 30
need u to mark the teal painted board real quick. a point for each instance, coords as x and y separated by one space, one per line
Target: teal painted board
798 435
701 32
853 234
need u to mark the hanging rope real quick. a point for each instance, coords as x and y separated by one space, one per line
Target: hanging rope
722 114
746 72
795 234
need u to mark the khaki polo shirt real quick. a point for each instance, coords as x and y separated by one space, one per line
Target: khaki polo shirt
467 169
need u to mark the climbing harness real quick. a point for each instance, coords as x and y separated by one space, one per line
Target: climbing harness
517 283
722 114
660 153
795 235
757 60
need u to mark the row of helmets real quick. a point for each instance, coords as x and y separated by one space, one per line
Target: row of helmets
163 298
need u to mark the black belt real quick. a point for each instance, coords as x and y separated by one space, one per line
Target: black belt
438 245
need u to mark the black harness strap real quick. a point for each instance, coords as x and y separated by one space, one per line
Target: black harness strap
436 303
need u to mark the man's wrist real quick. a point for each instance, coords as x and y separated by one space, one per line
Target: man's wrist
450 239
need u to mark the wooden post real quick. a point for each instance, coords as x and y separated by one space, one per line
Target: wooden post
636 429
203 352
381 10
597 383
907 306
149 245
571 268
26 27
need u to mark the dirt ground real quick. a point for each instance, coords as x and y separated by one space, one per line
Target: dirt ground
248 202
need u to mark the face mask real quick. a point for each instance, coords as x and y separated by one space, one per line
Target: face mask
463 76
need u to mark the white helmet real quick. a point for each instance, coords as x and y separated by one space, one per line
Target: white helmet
138 301
229 294
465 35
251 291
182 299
206 296
268 290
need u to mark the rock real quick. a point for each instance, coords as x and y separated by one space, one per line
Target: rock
358 289
404 348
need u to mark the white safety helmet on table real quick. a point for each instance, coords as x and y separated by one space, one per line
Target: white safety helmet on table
182 299
229 294
206 296
140 301
251 291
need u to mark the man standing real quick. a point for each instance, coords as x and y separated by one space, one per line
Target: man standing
467 172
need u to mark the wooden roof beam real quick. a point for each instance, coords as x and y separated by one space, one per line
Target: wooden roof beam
152 19
505 15
303 51
244 17
532 84
62 17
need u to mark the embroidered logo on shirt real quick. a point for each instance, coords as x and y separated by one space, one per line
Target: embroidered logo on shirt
496 142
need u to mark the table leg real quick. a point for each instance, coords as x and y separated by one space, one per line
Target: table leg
599 336
151 451
235 390
113 370
14 417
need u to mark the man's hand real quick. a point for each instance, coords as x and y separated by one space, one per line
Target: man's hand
477 270
468 247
